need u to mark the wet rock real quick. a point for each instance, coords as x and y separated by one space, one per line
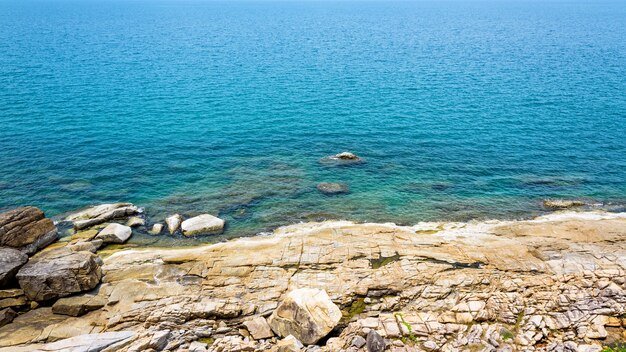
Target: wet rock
78 305
205 224
375 342
346 156
173 223
59 273
115 233
11 260
330 188
135 221
101 214
6 316
562 203
156 229
258 328
26 229
307 314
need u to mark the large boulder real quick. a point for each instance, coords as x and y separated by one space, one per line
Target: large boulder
11 260
204 224
307 314
100 214
26 229
115 233
59 273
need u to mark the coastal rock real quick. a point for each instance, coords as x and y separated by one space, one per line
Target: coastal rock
11 260
156 229
115 233
26 229
100 214
259 328
173 223
341 159
78 305
346 156
59 273
6 316
375 342
308 314
288 344
562 203
135 221
202 225
87 343
330 188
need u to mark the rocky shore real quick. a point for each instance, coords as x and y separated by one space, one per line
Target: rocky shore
555 283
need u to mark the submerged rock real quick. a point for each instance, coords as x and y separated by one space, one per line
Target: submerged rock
156 229
307 314
173 223
330 188
59 273
205 224
562 203
11 260
100 214
26 229
115 233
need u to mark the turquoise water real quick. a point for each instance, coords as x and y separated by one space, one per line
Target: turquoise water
461 109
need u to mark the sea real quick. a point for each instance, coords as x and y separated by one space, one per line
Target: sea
460 109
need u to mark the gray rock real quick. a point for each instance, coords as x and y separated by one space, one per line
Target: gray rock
26 229
375 342
11 260
330 188
115 233
135 221
204 224
6 316
59 273
101 214
89 343
173 223
358 342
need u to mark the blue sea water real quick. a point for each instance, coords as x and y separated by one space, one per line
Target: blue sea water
461 109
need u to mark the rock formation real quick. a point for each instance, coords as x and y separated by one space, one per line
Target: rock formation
205 224
100 214
26 229
11 260
115 233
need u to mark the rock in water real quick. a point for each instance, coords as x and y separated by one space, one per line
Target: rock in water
26 229
204 224
101 214
562 203
375 342
329 188
307 314
135 221
173 223
346 156
115 233
156 229
59 273
11 260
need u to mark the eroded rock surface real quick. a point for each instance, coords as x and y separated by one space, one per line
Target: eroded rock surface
59 273
11 260
26 229
556 283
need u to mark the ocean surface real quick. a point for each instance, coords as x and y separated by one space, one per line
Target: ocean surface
460 109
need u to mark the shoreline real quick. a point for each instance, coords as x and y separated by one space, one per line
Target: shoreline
551 282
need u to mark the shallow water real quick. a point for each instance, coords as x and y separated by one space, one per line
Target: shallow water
461 109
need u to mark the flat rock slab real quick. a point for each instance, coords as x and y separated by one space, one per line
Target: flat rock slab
82 343
205 224
78 305
26 229
115 233
100 214
59 273
11 260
